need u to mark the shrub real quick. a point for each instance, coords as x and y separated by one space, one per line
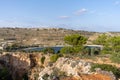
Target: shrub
48 50
75 39
71 52
54 57
106 50
115 57
78 49
43 59
107 67
66 50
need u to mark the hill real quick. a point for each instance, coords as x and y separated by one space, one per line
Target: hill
40 36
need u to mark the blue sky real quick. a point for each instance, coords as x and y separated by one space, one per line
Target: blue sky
91 15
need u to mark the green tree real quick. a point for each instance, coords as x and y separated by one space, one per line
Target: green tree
111 44
101 40
114 43
75 39
68 50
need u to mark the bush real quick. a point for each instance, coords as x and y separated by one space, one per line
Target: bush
106 50
78 49
48 50
107 67
43 59
115 57
75 39
54 57
67 50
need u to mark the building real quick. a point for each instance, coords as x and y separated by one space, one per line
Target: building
93 49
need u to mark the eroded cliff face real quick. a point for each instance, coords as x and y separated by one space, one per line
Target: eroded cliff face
17 64
21 64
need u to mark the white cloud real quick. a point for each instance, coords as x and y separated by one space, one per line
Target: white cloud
64 17
81 11
117 2
12 23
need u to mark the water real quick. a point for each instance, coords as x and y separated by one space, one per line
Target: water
56 49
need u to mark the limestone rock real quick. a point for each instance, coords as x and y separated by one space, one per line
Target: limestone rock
73 67
69 66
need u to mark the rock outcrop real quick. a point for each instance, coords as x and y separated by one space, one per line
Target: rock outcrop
68 66
17 64
21 64
73 70
73 67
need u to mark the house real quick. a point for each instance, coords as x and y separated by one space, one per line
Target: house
93 49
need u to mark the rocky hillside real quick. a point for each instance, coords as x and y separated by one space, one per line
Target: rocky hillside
21 65
46 36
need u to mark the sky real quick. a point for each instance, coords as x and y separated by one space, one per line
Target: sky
90 15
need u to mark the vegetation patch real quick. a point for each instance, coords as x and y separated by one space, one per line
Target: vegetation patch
48 50
115 57
54 57
107 67
42 59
